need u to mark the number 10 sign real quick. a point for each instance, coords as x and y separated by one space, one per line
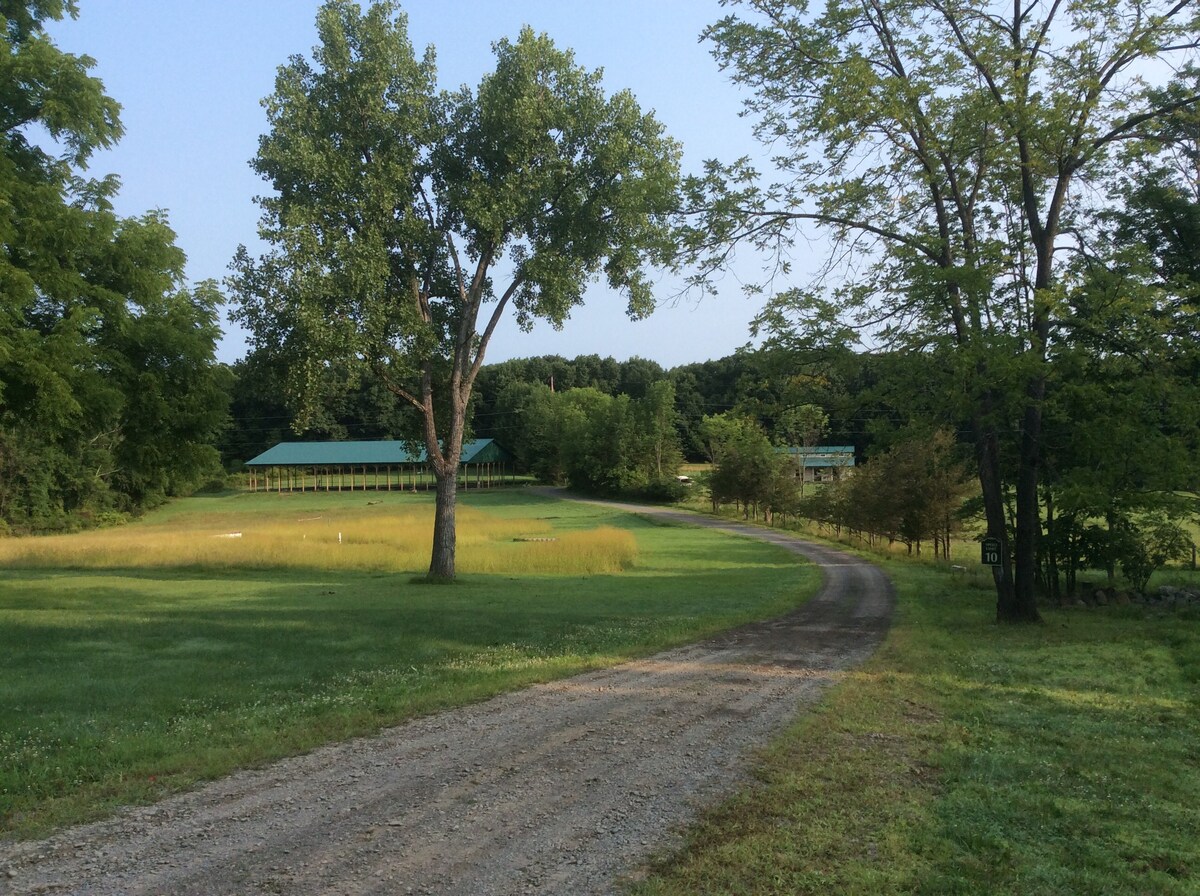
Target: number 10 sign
989 550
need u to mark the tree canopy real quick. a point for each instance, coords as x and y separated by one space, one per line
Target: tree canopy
110 397
950 150
406 221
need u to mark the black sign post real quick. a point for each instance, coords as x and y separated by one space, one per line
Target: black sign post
989 551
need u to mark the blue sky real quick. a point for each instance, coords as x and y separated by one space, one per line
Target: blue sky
190 75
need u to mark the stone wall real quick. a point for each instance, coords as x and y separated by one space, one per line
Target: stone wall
1163 597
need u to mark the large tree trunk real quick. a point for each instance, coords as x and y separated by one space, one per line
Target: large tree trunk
441 562
1051 551
1023 607
987 456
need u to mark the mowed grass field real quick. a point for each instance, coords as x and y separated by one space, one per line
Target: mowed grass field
970 758
964 758
223 632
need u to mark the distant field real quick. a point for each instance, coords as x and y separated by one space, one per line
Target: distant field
137 661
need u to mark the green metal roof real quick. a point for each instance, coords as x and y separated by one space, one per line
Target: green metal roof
382 453
823 455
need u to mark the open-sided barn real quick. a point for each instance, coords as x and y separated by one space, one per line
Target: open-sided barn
380 466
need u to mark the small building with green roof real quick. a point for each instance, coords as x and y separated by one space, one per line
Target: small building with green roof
821 463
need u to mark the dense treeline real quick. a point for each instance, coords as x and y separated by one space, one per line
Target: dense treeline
110 396
762 385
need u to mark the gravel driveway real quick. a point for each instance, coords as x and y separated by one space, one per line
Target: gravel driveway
558 789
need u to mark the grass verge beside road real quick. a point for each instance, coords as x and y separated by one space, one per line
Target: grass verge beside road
120 685
969 758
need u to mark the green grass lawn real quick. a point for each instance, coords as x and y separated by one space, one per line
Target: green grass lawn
965 758
968 758
120 686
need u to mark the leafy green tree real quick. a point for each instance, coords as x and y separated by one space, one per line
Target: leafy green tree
911 492
175 396
612 444
747 470
945 148
1156 199
1125 459
1129 352
533 429
47 215
110 397
801 428
655 417
1147 544
406 222
597 440
637 376
598 373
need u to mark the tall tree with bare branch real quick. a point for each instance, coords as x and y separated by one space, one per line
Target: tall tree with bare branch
945 147
406 222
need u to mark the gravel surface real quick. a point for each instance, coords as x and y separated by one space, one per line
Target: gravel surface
562 788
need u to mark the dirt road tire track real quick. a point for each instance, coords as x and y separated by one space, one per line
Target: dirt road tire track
558 789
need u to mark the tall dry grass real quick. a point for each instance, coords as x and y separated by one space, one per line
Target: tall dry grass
606 549
392 542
